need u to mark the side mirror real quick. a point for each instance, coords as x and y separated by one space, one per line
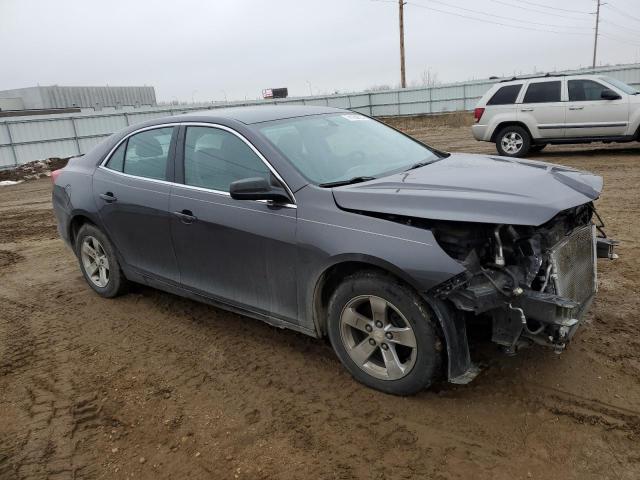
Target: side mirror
257 188
608 94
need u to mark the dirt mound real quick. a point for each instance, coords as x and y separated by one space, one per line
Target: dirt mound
33 170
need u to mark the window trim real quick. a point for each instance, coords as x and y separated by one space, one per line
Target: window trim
501 87
174 156
170 169
525 91
585 80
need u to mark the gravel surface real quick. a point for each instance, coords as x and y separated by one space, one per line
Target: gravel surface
150 385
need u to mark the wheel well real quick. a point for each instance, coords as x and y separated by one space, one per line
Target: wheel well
330 280
509 124
332 277
74 227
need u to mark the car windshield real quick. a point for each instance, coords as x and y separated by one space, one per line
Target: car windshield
338 147
628 89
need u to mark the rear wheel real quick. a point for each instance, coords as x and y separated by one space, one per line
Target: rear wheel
98 262
383 333
513 141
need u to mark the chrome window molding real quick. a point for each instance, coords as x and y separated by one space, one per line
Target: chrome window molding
184 185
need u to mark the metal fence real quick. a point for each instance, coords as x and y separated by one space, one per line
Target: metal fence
25 139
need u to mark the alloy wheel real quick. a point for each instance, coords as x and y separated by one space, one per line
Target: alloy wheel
378 337
95 261
512 142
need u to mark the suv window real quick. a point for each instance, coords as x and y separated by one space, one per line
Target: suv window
144 154
543 92
213 158
505 95
585 90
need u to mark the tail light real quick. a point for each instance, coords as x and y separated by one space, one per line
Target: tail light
55 174
477 114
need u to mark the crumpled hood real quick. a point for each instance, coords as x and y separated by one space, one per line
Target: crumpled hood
475 188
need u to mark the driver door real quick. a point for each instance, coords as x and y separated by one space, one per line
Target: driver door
240 252
590 115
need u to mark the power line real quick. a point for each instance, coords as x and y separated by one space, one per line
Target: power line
617 25
553 14
477 12
620 39
623 13
520 27
553 7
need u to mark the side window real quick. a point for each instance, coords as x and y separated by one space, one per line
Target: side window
214 158
505 95
585 90
116 162
543 92
147 153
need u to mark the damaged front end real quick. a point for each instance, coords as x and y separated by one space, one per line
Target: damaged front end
535 283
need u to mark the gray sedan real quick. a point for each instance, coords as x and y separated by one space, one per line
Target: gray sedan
333 224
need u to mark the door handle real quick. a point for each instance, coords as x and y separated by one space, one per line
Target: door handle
576 108
108 197
186 216
526 109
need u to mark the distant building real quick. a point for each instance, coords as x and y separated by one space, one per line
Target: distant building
55 97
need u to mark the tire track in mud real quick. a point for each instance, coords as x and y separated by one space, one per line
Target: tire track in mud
36 369
586 410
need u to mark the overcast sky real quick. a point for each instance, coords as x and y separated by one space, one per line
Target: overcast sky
206 50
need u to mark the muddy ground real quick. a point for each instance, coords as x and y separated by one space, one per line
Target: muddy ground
150 385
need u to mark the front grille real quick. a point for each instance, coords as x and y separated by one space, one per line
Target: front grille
574 265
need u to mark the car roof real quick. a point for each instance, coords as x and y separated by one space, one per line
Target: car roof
257 113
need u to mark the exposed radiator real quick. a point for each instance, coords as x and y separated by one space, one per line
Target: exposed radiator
574 265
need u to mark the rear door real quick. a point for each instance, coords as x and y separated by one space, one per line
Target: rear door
241 252
589 115
542 106
132 194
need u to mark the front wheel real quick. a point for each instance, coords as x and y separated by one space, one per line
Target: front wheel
384 334
513 141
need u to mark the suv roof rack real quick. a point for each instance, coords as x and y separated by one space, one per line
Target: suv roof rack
528 77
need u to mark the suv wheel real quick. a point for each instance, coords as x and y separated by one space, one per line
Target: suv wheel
98 262
513 141
383 333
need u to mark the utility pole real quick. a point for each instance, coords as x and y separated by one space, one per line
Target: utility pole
595 40
403 81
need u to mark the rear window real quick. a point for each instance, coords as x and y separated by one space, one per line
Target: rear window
542 92
505 95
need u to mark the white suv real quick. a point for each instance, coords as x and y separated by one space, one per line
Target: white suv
524 115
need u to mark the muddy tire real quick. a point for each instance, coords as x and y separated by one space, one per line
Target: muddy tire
98 262
384 334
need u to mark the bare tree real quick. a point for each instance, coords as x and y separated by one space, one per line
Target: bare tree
429 78
378 88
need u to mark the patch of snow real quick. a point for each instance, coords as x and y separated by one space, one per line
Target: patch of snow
6 183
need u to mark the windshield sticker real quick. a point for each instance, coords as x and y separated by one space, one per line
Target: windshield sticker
352 117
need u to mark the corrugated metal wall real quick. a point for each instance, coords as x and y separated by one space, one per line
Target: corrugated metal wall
44 97
35 138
